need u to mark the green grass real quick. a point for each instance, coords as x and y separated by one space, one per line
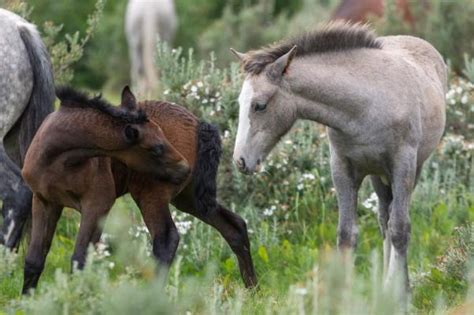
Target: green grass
291 213
286 253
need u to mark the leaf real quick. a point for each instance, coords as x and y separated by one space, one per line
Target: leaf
229 265
262 253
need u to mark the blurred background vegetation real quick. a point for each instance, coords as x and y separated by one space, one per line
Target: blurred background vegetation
216 25
290 208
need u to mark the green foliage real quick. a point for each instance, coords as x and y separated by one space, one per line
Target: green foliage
65 52
290 208
252 26
447 25
469 68
460 108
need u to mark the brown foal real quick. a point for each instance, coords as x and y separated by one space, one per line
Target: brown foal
89 153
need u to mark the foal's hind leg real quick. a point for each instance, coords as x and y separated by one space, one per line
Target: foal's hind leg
384 193
44 220
232 227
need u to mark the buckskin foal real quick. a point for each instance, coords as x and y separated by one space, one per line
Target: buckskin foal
383 102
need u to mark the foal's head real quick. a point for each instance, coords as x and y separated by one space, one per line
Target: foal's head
126 133
266 111
148 150
269 97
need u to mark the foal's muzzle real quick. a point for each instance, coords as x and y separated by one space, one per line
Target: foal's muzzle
244 168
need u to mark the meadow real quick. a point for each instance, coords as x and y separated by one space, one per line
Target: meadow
290 209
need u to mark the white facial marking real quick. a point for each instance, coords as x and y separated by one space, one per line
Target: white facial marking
245 99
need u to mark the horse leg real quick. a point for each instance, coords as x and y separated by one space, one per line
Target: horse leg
384 193
95 206
44 220
89 231
347 181
234 230
154 206
16 211
403 183
16 197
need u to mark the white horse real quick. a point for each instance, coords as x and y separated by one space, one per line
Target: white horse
383 102
145 22
26 98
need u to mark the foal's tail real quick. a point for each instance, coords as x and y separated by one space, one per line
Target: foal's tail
42 95
205 172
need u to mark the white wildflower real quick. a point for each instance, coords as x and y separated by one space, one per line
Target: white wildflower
183 226
372 202
301 291
268 212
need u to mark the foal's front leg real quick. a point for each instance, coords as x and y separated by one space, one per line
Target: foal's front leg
45 217
154 206
94 208
347 181
403 183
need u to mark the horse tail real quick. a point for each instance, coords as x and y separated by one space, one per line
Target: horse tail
205 172
43 94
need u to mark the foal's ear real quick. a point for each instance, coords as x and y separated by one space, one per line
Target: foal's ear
129 102
280 66
239 55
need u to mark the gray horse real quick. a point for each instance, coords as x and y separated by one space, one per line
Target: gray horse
26 98
383 102
145 22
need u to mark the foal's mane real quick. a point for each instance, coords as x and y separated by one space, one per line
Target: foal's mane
71 98
335 36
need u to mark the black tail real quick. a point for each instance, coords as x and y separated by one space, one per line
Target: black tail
205 172
41 100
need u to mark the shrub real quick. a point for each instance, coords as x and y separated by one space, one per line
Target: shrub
64 53
446 24
255 25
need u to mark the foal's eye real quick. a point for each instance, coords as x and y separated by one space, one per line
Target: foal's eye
260 107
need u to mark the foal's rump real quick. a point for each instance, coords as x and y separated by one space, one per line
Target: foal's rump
430 77
423 54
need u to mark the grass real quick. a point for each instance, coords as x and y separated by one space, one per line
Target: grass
289 256
291 213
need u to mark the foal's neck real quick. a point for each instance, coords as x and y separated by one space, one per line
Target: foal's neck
327 90
83 133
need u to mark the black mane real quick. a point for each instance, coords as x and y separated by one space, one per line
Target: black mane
75 99
334 36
